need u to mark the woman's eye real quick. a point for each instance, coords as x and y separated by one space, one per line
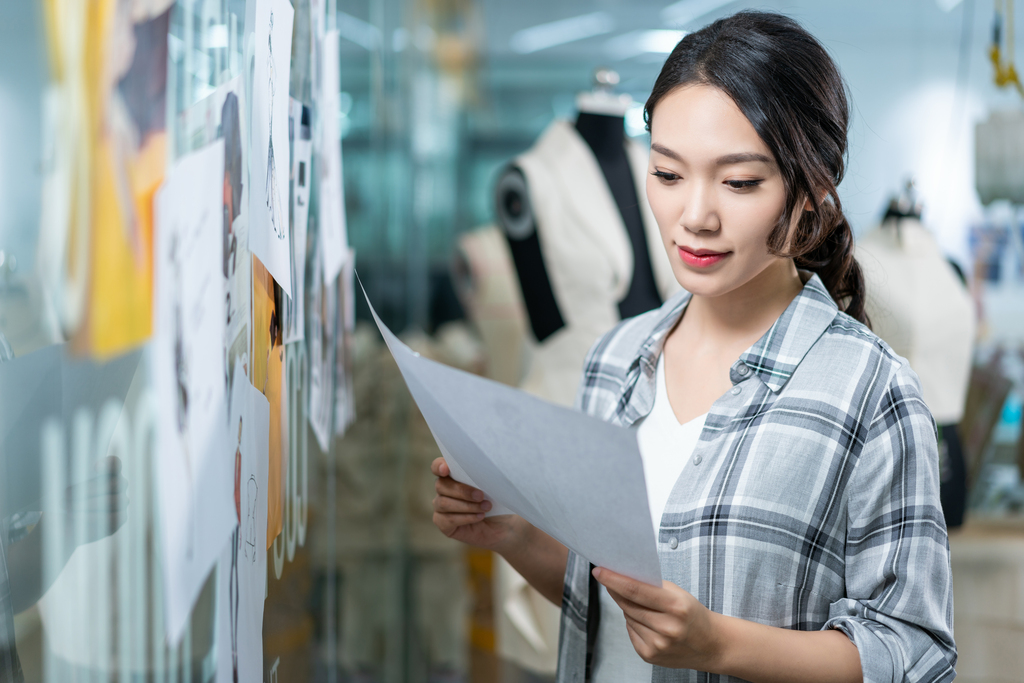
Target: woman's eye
665 175
743 184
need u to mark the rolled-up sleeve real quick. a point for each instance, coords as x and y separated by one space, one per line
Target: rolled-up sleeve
898 608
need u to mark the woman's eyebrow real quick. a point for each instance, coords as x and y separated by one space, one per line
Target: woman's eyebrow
742 157
736 158
662 149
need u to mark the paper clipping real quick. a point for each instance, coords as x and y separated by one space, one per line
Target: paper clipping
333 231
187 355
222 115
302 150
323 312
268 202
242 569
578 478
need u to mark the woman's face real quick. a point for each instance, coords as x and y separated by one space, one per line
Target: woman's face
715 191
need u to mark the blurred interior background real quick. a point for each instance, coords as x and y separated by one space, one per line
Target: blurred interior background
438 99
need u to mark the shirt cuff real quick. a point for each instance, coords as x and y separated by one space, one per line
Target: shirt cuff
878 662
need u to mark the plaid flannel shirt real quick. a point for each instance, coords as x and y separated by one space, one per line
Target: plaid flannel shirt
810 502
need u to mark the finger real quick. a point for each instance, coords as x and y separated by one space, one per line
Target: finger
653 619
446 504
446 486
635 591
448 522
647 642
440 468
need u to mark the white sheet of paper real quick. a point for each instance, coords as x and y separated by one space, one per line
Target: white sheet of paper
302 150
271 165
576 477
333 231
194 481
344 390
242 569
222 114
323 312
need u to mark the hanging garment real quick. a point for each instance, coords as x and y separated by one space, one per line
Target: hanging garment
918 305
586 250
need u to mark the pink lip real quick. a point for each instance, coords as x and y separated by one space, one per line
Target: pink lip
701 258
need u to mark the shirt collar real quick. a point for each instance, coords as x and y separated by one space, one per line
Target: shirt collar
775 356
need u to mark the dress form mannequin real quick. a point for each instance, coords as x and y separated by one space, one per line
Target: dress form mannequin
606 136
587 252
919 305
600 124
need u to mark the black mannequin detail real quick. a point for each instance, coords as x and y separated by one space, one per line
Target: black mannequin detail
605 135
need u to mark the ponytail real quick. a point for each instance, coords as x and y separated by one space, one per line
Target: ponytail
834 263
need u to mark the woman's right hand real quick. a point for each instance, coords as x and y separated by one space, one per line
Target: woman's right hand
459 513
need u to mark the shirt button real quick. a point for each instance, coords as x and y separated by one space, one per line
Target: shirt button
673 543
743 370
697 460
736 391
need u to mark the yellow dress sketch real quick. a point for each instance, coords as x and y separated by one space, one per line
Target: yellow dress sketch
109 65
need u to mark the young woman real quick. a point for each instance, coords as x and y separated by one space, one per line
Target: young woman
791 463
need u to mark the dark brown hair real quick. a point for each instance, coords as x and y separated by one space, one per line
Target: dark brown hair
788 87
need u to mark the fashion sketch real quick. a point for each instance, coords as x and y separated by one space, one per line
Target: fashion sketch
181 363
273 203
235 540
250 521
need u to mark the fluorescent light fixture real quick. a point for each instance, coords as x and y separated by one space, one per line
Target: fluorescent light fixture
358 31
654 41
947 5
217 36
559 32
681 13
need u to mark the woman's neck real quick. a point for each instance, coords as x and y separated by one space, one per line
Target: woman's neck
746 313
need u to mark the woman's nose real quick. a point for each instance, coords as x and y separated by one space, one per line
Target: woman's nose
699 212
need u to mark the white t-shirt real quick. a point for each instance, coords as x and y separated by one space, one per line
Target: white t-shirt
665 447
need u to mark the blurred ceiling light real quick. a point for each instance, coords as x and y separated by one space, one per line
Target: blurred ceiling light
399 39
560 32
657 41
681 13
358 31
947 5
217 36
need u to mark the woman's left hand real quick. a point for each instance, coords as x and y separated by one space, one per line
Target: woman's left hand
668 626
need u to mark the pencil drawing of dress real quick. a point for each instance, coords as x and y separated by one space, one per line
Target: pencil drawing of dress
273 205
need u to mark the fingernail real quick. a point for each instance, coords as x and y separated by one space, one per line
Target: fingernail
486 505
480 515
478 495
597 572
